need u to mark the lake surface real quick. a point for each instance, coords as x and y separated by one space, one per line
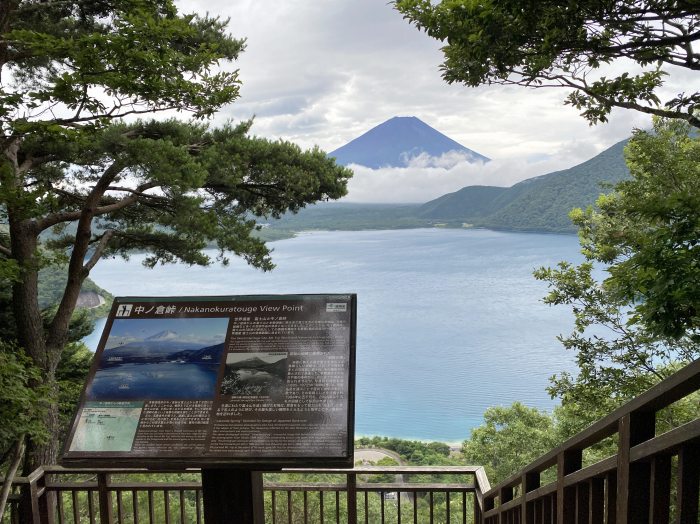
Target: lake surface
154 381
450 322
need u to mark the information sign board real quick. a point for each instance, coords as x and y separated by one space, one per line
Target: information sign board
265 381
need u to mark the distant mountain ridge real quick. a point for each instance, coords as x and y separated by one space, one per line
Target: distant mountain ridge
537 204
398 140
541 203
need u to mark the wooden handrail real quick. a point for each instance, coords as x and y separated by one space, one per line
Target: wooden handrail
632 486
105 496
674 388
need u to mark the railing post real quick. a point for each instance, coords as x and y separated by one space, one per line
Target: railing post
529 481
688 483
258 497
351 492
478 518
633 479
228 496
32 510
568 461
105 498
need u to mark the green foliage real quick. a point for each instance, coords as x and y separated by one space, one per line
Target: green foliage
70 376
23 402
648 231
412 451
212 179
59 52
74 174
568 44
52 284
638 325
509 439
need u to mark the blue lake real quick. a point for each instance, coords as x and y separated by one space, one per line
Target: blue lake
154 381
450 322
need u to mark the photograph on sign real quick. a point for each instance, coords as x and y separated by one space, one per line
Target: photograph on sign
255 374
264 380
160 358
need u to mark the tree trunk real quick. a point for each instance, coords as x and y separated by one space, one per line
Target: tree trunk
39 454
30 334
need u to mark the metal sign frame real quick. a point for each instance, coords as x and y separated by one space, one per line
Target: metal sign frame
186 380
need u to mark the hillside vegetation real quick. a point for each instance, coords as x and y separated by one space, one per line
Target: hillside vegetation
536 204
540 203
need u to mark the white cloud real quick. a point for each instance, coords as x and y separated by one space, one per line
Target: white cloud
427 178
325 72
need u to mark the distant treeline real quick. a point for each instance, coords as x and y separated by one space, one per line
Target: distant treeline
536 204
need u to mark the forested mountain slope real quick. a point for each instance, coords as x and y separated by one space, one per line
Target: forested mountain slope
540 203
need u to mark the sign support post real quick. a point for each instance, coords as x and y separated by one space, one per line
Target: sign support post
232 496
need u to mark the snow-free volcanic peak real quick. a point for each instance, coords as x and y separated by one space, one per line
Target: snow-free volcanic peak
398 140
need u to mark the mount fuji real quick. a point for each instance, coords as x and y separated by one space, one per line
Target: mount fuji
397 141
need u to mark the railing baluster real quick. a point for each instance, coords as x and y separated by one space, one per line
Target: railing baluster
166 505
568 461
597 504
415 508
337 507
381 496
582 501
306 508
633 479
120 507
549 510
320 506
104 498
273 497
289 507
398 507
447 507
60 510
91 507
366 508
351 486
135 504
198 506
688 483
151 509
74 504
430 498
660 496
182 506
611 497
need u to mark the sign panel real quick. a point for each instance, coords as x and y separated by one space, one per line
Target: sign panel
265 381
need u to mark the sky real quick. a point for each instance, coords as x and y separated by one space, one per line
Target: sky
200 330
324 72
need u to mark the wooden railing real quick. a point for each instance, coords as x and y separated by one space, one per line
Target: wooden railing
418 495
651 479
